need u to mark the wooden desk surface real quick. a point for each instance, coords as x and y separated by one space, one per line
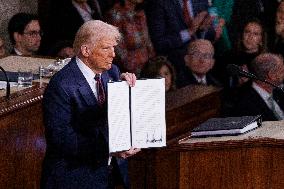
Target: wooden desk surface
268 130
13 63
252 160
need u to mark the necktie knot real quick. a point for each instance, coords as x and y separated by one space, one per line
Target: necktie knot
97 77
100 90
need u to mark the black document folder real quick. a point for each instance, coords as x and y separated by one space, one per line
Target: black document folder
227 126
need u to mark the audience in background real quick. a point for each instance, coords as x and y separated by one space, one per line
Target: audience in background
199 61
258 98
66 16
244 10
2 48
251 42
135 48
160 67
174 23
25 34
224 11
62 49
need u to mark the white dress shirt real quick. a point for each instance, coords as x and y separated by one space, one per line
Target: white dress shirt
269 101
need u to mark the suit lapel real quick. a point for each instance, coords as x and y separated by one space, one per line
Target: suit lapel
87 93
84 88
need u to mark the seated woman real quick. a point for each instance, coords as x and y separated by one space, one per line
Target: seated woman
160 67
251 42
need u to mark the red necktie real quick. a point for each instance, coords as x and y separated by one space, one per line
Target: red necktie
100 90
186 15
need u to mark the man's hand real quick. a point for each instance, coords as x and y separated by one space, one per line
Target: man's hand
125 154
197 21
219 28
129 77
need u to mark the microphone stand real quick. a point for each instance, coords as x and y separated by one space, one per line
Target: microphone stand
269 83
8 83
235 70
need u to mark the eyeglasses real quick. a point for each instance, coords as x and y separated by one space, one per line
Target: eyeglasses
208 56
34 33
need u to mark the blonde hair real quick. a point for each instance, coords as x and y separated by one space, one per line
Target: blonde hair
93 31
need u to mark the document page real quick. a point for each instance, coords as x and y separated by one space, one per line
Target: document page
148 113
118 116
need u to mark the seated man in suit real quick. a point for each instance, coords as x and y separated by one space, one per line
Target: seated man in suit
199 61
174 23
75 115
25 34
257 98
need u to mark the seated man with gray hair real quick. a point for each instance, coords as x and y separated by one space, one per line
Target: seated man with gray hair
258 98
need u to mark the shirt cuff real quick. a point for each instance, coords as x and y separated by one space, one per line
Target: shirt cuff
185 36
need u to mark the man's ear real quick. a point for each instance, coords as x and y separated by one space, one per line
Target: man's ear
186 57
17 36
271 76
85 51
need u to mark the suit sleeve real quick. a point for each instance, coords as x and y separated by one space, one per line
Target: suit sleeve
162 36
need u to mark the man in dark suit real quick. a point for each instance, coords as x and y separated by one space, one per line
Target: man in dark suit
258 98
75 115
171 30
244 11
25 34
66 16
199 61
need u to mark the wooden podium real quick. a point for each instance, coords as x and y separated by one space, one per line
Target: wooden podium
252 160
185 109
22 142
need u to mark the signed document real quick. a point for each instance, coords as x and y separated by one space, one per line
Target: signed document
136 115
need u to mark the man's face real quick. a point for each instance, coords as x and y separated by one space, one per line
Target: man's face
31 37
201 60
252 37
101 57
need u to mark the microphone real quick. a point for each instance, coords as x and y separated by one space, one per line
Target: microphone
8 83
235 70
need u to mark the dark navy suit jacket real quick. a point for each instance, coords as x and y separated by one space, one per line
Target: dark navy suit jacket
249 103
76 132
187 78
